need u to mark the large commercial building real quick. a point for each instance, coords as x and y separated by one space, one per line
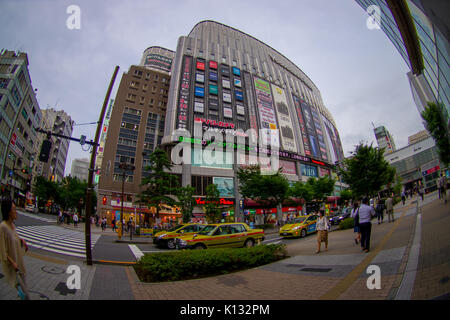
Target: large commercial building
384 139
134 127
222 82
420 32
226 81
19 116
59 122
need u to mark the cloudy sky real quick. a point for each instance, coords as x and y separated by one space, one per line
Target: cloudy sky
361 76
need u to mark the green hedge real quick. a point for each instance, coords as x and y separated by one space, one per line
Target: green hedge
346 224
192 264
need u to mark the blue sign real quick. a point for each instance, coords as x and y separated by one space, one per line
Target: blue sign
199 92
213 76
236 71
239 96
10 173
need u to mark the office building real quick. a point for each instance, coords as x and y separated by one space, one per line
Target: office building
419 31
80 169
135 129
384 139
19 116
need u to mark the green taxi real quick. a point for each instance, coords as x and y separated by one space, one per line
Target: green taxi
299 227
166 238
222 235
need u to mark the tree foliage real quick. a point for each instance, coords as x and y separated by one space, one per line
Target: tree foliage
437 126
160 182
321 187
211 207
186 202
367 171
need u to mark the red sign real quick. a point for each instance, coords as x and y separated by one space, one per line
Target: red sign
215 123
318 162
213 65
223 201
200 65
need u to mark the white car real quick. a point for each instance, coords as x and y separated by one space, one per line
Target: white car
29 208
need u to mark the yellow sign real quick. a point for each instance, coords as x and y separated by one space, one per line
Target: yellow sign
146 232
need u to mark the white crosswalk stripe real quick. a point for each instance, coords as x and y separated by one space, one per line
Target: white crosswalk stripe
56 239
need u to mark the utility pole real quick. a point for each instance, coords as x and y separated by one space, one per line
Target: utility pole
91 171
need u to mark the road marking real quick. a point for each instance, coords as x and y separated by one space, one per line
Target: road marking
269 240
345 283
406 287
136 251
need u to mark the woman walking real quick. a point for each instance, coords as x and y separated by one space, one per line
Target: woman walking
355 216
12 250
322 231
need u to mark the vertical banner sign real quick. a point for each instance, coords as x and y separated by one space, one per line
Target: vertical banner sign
302 126
284 119
339 145
251 102
183 104
310 128
268 120
331 139
319 133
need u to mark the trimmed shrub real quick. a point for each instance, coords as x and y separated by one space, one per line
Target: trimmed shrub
193 264
347 224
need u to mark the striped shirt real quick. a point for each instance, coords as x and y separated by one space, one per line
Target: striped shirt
366 213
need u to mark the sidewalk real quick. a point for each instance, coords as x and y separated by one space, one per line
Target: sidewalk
414 247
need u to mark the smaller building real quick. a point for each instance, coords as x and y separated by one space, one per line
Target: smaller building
384 139
418 161
80 169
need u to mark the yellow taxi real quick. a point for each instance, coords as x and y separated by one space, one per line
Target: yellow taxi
299 227
222 235
166 238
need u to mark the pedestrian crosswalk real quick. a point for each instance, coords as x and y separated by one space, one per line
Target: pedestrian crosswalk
37 217
56 239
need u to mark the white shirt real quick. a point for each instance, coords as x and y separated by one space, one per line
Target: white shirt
366 213
322 224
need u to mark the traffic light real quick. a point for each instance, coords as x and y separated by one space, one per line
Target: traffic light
53 177
45 151
104 200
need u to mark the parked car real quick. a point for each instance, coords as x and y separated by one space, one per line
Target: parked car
341 216
299 227
334 218
222 235
166 238
30 208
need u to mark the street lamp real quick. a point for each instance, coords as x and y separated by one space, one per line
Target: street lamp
124 166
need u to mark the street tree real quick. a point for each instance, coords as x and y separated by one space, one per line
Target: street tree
321 187
301 190
366 172
160 183
212 206
186 202
436 124
45 190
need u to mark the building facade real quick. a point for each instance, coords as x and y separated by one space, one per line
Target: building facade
420 34
136 127
417 162
59 122
225 82
384 139
419 136
19 116
80 169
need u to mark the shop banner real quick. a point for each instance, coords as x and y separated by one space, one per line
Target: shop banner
309 122
303 130
284 119
250 101
268 120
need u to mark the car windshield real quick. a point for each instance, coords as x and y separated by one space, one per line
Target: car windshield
207 230
297 220
174 228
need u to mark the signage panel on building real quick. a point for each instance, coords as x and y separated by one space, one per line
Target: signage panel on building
183 103
284 119
239 95
213 76
199 92
225 186
160 62
199 77
268 120
304 132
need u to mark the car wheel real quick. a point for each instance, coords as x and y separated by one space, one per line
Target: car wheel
303 234
171 244
249 243
199 246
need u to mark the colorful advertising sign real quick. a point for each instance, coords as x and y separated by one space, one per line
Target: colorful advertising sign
303 130
324 172
213 65
284 119
319 132
309 122
225 186
250 101
309 171
158 61
213 89
225 70
199 92
267 116
227 113
331 139
183 103
213 76
236 71
239 95
200 65
240 109
226 83
237 83
227 97
199 107
199 77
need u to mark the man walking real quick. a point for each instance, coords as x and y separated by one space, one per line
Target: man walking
390 208
380 210
366 213
443 186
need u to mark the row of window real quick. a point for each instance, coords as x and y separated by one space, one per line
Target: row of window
139 73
